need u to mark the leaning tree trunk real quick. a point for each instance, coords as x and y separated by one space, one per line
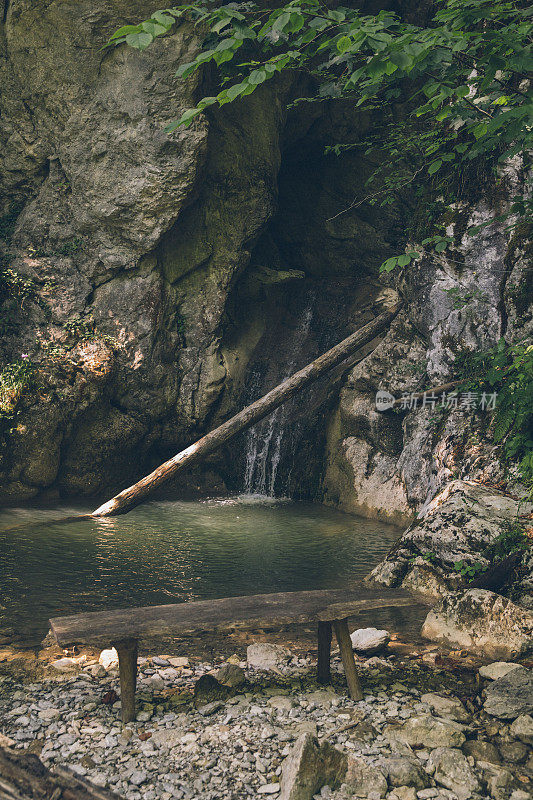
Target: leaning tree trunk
133 495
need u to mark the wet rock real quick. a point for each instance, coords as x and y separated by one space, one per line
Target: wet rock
402 771
265 656
449 707
450 768
481 621
497 669
364 779
231 675
482 751
108 658
428 731
511 696
310 766
522 728
369 640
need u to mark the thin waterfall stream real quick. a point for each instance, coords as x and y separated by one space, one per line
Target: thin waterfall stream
265 440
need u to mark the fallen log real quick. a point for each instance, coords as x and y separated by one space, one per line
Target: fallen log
24 777
253 413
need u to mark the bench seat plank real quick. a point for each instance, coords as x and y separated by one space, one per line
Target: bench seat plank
100 628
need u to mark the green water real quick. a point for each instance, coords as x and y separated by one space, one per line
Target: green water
166 552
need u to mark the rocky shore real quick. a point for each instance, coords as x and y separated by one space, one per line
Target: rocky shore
432 726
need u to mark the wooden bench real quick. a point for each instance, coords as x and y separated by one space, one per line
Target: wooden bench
124 628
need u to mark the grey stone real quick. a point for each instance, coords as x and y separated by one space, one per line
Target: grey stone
310 766
266 656
427 731
450 768
364 779
511 696
497 669
402 771
449 707
522 728
513 752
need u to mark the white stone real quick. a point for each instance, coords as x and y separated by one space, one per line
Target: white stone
269 788
108 658
64 665
369 640
449 707
522 728
497 669
265 656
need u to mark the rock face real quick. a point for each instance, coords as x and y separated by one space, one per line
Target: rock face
458 525
483 622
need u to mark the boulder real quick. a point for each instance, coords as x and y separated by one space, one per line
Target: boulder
449 707
231 675
369 640
364 780
511 696
427 731
458 524
497 669
482 751
310 766
522 728
450 768
108 658
481 621
265 656
403 771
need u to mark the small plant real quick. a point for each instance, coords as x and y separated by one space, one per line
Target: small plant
14 379
83 329
460 298
468 570
513 539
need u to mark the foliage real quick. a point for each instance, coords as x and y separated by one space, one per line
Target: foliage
15 290
451 94
508 370
513 539
468 570
83 329
14 379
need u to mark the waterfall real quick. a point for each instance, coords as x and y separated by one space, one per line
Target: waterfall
264 442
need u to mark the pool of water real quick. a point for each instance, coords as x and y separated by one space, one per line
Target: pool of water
171 551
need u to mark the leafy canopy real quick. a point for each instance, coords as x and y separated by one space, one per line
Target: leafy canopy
464 77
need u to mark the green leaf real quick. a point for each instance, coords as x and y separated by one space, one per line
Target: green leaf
124 31
344 44
257 76
389 264
153 28
139 41
434 167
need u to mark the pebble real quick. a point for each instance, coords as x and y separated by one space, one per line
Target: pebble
236 747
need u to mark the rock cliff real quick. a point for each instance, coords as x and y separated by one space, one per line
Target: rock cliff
147 278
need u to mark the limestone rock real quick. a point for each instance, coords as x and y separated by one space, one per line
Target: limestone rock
369 640
482 751
108 658
522 728
481 621
428 731
310 766
458 524
449 707
363 779
265 656
497 669
450 768
511 696
66 665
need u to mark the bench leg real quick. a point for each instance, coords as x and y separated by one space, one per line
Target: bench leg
127 665
348 661
324 652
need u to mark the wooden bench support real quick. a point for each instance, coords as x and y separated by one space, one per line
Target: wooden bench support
127 665
324 652
348 661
